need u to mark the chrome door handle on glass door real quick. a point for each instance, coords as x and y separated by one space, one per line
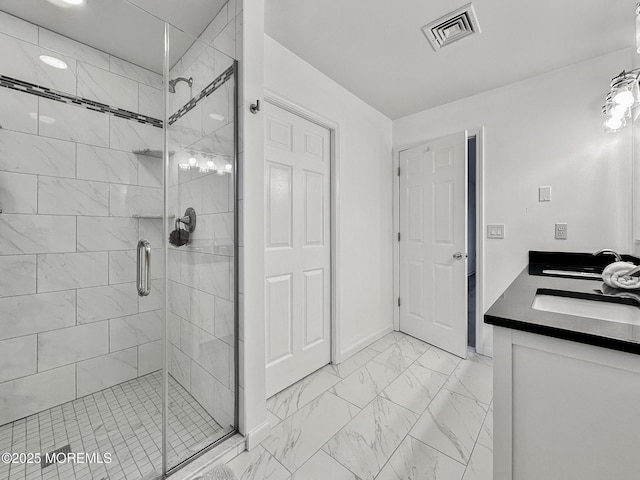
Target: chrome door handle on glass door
144 268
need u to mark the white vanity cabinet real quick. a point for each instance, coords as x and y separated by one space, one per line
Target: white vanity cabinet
564 410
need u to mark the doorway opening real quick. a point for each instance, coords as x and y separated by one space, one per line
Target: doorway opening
441 303
471 240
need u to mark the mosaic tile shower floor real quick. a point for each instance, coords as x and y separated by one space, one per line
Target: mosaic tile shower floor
124 420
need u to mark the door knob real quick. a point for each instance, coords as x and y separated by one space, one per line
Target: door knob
459 255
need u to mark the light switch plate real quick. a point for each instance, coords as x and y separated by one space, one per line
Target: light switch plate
495 230
544 194
561 231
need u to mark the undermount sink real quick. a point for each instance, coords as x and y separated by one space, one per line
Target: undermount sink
614 309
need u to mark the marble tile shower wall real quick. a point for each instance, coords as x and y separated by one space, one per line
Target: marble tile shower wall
74 200
201 275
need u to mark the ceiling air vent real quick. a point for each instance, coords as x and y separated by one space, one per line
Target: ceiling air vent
452 27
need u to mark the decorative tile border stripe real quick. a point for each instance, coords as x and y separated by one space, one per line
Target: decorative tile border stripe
208 90
40 91
32 89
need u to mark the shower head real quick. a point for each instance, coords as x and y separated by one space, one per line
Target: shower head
172 83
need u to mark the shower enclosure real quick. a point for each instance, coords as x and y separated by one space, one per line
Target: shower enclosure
118 227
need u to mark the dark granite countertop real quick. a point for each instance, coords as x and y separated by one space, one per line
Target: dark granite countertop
514 309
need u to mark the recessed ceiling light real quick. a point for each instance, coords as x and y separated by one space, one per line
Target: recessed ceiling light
53 62
216 116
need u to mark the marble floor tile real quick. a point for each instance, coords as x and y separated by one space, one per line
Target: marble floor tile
384 343
415 388
451 424
476 357
403 353
481 464
412 428
258 464
301 393
365 383
439 360
273 420
399 335
473 380
486 432
413 460
301 435
323 467
414 340
365 444
351 364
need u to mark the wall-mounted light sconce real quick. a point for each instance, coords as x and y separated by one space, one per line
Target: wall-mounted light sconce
623 100
620 102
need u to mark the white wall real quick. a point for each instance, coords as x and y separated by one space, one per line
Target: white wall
253 406
365 248
545 130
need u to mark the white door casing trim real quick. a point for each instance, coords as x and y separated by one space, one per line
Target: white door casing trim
479 134
333 127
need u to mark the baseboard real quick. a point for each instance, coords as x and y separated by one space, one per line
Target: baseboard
258 435
364 343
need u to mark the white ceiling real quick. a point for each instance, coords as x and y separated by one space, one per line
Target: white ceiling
190 16
121 28
375 48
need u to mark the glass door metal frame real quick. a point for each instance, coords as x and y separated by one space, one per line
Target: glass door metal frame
166 470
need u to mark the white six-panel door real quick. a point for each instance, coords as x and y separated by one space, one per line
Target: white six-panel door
433 226
298 255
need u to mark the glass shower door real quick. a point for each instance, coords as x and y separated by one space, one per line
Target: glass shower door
201 228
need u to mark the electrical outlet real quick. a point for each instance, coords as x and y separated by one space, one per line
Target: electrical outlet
561 231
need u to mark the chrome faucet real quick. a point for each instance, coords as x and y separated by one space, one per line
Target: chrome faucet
633 272
608 251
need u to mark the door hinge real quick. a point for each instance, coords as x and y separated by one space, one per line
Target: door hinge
398 301
398 236
398 171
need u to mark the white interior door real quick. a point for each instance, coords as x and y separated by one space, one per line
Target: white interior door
433 227
298 248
